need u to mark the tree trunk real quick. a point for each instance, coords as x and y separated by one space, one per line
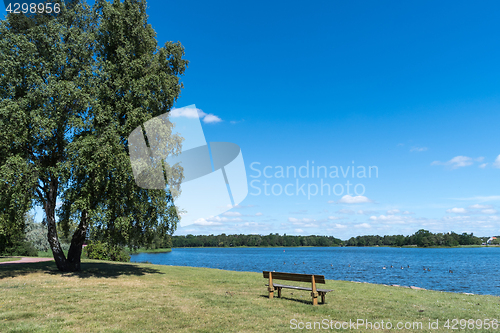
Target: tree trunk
75 250
50 206
72 263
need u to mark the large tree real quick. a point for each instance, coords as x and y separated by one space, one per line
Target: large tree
73 88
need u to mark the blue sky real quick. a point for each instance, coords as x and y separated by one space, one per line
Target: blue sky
411 88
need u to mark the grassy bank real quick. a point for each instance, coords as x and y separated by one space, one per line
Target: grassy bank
144 250
124 297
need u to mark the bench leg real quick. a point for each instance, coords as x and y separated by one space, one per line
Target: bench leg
279 292
323 298
314 297
271 292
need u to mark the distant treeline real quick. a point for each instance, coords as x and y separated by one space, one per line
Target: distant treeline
422 238
224 240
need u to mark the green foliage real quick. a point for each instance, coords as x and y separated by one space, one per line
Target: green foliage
72 88
160 242
422 238
224 240
15 183
105 251
136 82
21 248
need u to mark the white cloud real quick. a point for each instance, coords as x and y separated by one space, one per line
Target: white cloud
254 225
187 113
298 231
389 218
232 214
407 213
331 201
419 149
222 219
304 223
482 166
489 211
393 211
203 222
211 119
194 113
459 161
347 199
304 220
456 218
457 210
258 214
496 164
363 225
365 212
334 218
477 206
340 226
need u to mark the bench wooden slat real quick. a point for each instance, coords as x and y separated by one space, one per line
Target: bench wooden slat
295 277
313 279
299 288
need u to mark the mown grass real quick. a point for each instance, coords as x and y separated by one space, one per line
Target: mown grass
4 259
125 297
49 254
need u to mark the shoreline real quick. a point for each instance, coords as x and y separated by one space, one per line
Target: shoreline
332 280
377 246
164 250
441 279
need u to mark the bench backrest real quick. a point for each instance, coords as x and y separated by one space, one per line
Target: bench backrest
294 277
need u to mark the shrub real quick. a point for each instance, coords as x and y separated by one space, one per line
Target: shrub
104 251
22 248
36 234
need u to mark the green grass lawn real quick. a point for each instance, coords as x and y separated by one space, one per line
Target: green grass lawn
124 297
49 254
4 259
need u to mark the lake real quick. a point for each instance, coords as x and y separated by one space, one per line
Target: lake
475 270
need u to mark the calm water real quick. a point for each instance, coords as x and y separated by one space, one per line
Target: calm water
475 270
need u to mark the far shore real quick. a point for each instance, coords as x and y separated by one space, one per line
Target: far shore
286 247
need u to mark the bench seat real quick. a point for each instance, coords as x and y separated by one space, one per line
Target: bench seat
313 279
299 288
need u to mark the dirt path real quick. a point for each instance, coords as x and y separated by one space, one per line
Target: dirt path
26 260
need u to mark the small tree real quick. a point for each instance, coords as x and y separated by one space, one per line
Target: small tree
36 234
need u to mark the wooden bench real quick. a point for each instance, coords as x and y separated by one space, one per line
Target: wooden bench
313 279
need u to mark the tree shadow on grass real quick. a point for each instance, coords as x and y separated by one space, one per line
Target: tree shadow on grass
88 270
